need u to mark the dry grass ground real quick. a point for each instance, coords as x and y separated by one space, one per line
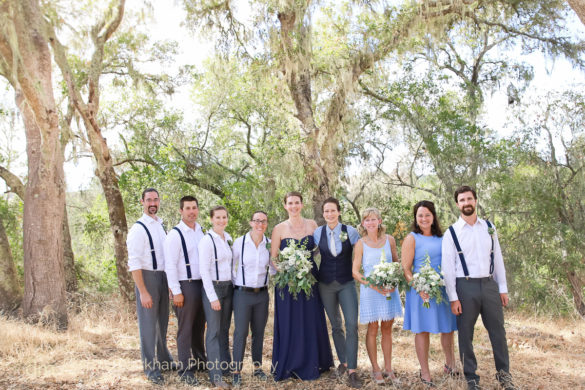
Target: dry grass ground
101 351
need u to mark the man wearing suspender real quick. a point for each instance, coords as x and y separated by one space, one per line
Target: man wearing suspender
475 279
146 261
184 278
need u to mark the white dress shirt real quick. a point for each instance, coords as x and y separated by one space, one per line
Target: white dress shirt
255 262
476 245
175 267
139 256
207 262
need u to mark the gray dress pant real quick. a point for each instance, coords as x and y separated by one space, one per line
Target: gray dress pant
191 321
153 323
250 310
218 327
481 296
335 295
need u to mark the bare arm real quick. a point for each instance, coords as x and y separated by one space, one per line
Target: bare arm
408 256
358 251
275 244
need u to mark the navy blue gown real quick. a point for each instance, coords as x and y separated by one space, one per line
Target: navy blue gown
301 347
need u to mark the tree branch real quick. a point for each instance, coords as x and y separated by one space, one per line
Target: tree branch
13 182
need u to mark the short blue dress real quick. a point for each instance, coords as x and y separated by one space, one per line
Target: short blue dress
373 305
438 318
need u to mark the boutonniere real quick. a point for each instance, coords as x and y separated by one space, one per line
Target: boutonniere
343 236
491 231
267 246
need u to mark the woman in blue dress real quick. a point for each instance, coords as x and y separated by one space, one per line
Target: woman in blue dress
301 347
425 239
373 247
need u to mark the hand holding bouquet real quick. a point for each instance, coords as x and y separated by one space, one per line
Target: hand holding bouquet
294 270
386 275
428 281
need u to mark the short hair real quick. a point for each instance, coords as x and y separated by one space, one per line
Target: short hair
217 208
293 193
258 212
464 189
188 198
435 226
150 189
331 200
367 212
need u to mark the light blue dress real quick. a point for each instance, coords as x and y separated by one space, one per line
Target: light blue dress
438 318
373 305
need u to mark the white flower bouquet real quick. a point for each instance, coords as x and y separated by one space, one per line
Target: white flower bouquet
429 281
294 270
386 275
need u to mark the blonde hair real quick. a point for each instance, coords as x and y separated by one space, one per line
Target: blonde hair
368 212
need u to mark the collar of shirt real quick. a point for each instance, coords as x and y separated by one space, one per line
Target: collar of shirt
249 240
215 235
184 228
148 220
336 230
460 224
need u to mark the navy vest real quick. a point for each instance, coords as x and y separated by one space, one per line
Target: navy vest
335 268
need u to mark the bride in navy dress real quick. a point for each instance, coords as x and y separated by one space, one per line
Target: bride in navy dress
301 347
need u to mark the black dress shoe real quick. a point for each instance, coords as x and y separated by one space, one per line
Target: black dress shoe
156 379
258 373
339 372
473 384
354 381
505 380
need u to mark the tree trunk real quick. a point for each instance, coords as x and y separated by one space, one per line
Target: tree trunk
68 256
44 279
26 63
116 211
577 285
579 8
10 293
88 111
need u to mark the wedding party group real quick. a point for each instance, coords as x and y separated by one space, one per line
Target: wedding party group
450 277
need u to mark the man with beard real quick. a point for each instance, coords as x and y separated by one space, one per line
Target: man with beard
184 278
146 261
475 279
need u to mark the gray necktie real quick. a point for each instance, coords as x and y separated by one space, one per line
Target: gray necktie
332 244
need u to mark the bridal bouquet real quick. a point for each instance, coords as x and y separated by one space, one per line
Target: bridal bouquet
386 275
294 270
429 281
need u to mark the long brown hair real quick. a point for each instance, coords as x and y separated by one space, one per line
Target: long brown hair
436 225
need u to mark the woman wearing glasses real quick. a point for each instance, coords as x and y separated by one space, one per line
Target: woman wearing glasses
250 276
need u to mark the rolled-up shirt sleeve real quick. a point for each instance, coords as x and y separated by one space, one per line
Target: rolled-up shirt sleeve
137 242
499 269
173 250
448 261
206 258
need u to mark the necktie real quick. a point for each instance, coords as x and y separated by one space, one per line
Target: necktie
332 244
